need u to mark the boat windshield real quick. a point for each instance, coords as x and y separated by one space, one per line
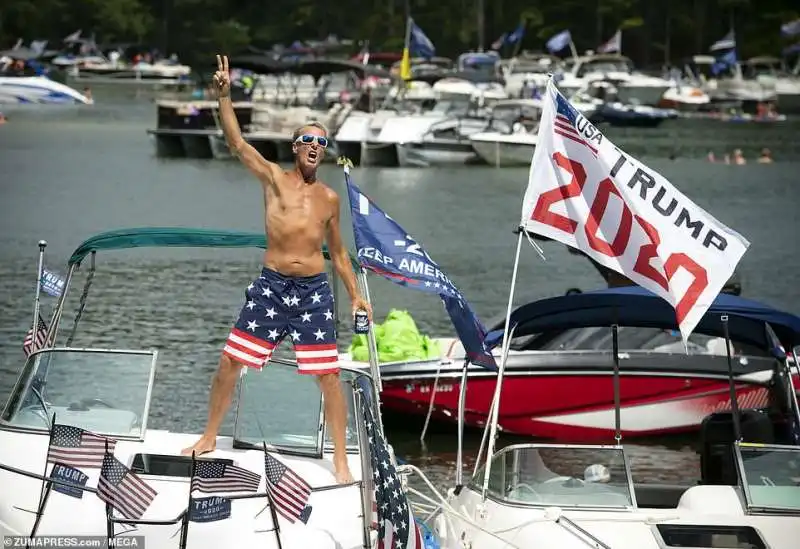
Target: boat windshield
284 410
770 477
561 475
631 338
604 65
103 391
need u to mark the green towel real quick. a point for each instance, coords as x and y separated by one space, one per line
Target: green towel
398 339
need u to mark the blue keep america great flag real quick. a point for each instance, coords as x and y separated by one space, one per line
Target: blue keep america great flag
385 248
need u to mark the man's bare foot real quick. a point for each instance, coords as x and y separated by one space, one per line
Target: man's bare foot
342 474
202 446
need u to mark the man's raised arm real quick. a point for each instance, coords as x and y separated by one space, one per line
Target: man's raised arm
250 157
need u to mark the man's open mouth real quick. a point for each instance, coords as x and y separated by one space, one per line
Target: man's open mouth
312 155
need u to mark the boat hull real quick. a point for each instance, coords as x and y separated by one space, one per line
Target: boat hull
423 155
501 154
569 407
38 90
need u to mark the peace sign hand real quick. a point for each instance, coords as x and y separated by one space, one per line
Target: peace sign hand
222 78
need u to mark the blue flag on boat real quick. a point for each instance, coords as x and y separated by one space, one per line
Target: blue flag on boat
387 249
559 41
420 44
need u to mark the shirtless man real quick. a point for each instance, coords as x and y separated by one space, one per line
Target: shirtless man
292 296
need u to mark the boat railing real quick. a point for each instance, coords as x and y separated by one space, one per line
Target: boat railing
183 517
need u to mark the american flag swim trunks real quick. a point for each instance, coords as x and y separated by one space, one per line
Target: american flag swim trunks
277 306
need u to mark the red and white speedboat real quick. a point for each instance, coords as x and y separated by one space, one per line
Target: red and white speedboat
558 379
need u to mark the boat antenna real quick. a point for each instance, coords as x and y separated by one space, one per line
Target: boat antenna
737 427
617 405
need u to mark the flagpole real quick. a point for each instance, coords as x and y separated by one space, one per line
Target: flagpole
47 486
572 47
185 523
109 509
271 504
503 360
42 246
462 400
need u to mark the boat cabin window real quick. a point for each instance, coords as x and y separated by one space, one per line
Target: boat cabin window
105 392
770 477
599 338
711 536
283 409
561 475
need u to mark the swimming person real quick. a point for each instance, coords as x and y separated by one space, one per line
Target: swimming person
292 296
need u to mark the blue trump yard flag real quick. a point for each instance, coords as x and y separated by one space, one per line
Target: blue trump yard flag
385 248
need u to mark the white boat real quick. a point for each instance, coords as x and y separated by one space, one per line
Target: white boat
501 149
98 69
527 72
732 86
634 87
787 87
443 143
105 395
38 90
410 114
682 96
579 496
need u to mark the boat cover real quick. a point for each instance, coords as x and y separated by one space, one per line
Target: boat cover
184 237
636 307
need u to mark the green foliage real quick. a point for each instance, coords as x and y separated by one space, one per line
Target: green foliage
197 29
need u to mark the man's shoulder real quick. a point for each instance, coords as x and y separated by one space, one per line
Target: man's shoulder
328 193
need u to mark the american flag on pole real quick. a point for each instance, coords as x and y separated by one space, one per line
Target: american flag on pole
217 476
565 124
397 528
119 487
35 339
78 448
287 491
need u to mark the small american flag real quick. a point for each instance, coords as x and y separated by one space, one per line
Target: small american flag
35 340
288 492
78 448
397 528
565 124
123 490
217 476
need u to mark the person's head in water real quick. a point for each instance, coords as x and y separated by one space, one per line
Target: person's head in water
308 145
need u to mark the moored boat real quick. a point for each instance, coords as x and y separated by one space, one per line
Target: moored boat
558 382
38 90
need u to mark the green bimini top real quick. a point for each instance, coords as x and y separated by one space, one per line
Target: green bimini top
180 237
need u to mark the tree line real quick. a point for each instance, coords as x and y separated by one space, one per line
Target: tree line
653 32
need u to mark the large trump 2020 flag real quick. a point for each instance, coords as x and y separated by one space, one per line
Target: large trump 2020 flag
385 248
588 194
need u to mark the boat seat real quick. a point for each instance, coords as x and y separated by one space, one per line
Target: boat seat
717 464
